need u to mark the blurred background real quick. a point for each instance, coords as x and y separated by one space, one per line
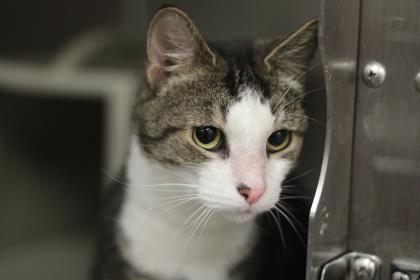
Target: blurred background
69 71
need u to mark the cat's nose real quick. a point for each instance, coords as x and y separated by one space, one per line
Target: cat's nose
251 195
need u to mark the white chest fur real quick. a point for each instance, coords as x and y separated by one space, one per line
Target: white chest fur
158 240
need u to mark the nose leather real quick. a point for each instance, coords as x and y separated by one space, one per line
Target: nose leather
251 195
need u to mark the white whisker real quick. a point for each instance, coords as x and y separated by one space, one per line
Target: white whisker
291 224
191 217
278 227
302 174
147 185
206 222
292 217
305 197
196 224
168 203
179 204
294 80
301 96
159 197
306 117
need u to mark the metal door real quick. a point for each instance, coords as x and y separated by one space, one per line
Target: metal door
365 220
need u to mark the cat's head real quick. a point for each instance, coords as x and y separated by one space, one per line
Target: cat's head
231 113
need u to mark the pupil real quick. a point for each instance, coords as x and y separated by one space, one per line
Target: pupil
277 137
206 134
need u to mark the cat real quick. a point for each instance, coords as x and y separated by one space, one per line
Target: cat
215 133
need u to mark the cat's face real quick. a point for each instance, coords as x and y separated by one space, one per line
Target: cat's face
231 114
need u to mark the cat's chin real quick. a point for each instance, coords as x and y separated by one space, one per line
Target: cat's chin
240 217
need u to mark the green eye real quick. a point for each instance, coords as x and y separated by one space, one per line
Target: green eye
279 140
208 137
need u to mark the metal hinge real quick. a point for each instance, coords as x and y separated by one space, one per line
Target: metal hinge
352 266
405 270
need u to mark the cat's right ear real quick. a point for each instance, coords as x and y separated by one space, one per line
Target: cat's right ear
174 45
292 54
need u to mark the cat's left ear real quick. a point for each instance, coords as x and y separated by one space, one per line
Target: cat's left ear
174 46
293 54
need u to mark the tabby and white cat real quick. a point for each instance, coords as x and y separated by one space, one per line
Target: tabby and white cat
215 134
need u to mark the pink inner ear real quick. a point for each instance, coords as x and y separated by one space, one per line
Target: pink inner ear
170 46
155 68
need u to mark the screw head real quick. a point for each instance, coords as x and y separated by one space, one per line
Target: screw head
398 275
374 74
364 268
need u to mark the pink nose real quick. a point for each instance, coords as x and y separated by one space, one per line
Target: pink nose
250 195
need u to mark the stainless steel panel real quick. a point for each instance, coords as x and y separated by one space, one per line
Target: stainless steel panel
368 196
385 192
339 25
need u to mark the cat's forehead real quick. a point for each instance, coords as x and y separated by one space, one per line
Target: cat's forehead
208 93
249 121
244 69
240 69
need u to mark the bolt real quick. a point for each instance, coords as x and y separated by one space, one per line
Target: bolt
364 268
374 74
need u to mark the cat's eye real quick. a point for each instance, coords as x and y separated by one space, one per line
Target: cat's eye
208 137
279 141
